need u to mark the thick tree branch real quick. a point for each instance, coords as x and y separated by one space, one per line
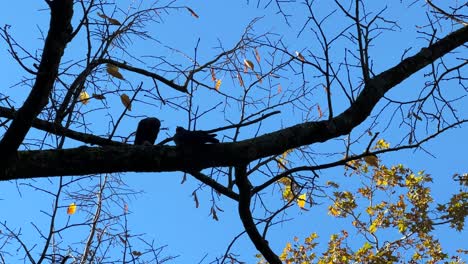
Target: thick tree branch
172 84
247 219
57 38
167 158
59 130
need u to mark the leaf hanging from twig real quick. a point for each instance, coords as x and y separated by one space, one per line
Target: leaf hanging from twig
192 12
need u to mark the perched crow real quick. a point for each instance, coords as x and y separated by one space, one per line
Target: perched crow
193 138
147 131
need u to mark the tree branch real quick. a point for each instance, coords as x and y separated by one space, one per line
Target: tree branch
168 158
57 38
59 130
247 219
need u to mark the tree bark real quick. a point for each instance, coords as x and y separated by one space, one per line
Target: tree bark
59 34
82 161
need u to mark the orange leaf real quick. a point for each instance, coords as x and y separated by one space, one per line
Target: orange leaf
213 76
71 209
241 81
249 64
319 111
126 101
280 89
257 55
299 56
192 12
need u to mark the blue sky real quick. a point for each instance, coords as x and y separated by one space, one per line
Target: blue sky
166 211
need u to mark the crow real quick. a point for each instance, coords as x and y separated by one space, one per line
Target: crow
185 137
147 131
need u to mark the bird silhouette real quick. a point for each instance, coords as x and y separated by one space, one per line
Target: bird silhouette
147 131
193 138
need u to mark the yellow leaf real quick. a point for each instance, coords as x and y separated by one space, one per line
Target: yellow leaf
301 200
84 97
299 56
114 71
71 209
192 12
333 211
372 160
218 84
287 193
126 101
257 55
249 64
373 227
382 144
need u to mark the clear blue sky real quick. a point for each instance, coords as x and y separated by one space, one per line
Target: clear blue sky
166 211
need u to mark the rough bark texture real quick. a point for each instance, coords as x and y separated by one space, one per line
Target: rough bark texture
60 30
82 161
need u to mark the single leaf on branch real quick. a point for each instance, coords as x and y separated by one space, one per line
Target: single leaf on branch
372 160
192 12
213 76
259 78
111 20
114 71
301 200
71 209
300 57
241 81
126 101
213 213
99 96
195 198
257 56
319 110
84 97
218 84
249 64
